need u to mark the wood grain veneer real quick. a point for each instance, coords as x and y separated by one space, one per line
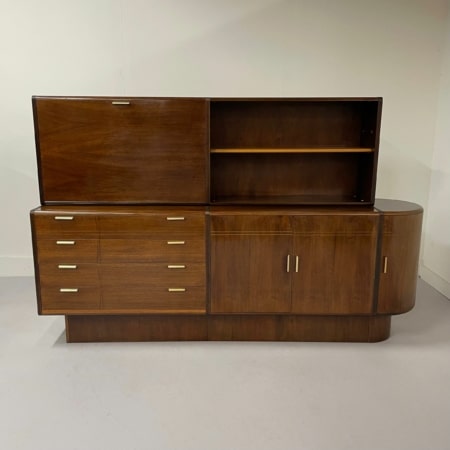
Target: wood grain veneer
141 236
227 328
90 148
336 264
139 262
399 261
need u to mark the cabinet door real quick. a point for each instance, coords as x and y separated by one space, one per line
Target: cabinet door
137 151
334 268
399 261
249 264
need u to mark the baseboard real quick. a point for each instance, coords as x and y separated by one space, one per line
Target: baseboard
16 266
435 280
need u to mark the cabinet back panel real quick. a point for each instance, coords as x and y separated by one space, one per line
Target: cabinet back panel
148 151
278 124
289 178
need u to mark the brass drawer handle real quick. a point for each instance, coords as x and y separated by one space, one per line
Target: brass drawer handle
288 263
118 103
176 242
63 217
65 242
67 290
67 266
177 289
176 266
175 218
296 264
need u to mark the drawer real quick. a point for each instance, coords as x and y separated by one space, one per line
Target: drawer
174 250
67 250
142 298
74 299
64 273
153 275
250 224
172 222
63 223
336 224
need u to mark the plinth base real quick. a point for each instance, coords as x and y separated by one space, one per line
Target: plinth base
227 328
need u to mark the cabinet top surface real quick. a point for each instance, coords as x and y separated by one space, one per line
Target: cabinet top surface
231 99
215 210
99 209
397 206
381 205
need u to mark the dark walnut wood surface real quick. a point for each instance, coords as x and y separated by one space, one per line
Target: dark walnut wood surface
218 219
146 151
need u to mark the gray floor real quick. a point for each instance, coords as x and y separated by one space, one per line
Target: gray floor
391 395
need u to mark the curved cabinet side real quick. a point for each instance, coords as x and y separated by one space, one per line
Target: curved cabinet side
399 260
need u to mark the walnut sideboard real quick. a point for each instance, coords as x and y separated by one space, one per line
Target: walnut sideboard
218 219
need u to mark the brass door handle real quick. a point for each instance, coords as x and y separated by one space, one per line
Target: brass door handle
288 263
385 264
296 264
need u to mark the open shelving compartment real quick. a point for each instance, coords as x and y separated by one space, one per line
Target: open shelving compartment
294 151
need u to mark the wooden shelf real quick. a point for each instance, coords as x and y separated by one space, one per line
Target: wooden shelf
293 150
289 200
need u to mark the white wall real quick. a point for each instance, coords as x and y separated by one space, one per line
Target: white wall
436 255
388 48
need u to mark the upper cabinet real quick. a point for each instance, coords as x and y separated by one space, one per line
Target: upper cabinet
106 150
98 150
294 151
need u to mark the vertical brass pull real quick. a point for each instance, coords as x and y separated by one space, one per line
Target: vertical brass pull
288 263
63 217
385 264
296 264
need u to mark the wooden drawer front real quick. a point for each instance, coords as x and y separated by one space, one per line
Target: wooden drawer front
143 298
55 223
250 224
176 250
64 250
153 275
61 274
54 301
122 150
336 224
175 222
